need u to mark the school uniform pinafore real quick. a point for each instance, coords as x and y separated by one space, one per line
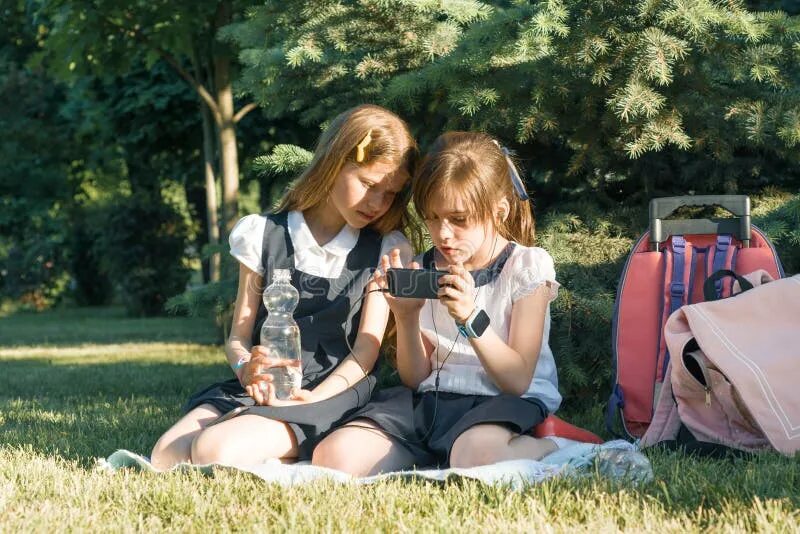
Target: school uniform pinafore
329 310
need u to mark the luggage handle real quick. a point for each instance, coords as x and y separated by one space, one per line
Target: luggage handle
738 225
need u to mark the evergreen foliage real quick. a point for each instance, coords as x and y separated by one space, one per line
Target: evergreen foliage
283 164
621 98
312 59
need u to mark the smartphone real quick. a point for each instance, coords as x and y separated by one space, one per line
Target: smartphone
414 283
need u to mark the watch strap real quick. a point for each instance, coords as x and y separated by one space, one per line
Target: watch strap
466 329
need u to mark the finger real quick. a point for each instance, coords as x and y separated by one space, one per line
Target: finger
255 392
265 391
379 272
414 265
259 362
270 363
458 269
455 282
397 263
379 278
270 396
385 263
259 351
466 282
266 377
449 293
301 394
451 280
266 362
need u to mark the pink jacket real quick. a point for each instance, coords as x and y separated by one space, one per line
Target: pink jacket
735 369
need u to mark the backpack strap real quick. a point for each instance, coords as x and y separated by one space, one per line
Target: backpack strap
709 286
676 291
682 252
616 402
722 258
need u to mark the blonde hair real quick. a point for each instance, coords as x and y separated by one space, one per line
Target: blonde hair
472 166
389 141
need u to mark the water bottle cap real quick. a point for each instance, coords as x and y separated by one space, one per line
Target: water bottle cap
282 275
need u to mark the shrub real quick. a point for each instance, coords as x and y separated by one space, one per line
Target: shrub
142 247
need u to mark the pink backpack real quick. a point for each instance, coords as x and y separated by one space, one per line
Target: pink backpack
733 379
666 270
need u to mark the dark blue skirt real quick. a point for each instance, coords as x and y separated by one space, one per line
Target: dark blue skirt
428 426
309 422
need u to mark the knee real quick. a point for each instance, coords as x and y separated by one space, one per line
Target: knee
209 447
331 452
167 452
336 452
472 449
160 457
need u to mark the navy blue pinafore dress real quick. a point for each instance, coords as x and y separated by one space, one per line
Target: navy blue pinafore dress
329 309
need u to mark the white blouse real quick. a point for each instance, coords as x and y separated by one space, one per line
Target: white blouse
326 261
526 269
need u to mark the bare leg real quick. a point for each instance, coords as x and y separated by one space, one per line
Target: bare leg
244 440
488 444
175 445
361 451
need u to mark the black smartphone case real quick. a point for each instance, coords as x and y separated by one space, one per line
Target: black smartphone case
414 283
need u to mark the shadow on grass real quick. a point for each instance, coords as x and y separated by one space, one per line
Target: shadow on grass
84 411
81 412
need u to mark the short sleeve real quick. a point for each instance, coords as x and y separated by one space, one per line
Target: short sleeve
534 268
397 240
246 241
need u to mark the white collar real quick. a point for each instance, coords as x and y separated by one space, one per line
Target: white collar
303 239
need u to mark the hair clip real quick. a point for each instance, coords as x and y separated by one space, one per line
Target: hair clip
362 145
516 181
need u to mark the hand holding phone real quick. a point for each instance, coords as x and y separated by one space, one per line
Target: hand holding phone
414 283
399 306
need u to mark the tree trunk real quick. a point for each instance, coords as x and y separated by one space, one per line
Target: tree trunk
229 157
211 193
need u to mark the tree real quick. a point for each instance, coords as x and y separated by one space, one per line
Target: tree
34 184
106 36
144 140
623 89
312 60
615 98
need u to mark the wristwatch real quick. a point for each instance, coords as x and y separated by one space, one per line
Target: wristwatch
475 325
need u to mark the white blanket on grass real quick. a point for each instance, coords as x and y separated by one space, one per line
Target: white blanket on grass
614 459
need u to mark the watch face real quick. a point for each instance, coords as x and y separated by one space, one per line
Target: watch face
480 323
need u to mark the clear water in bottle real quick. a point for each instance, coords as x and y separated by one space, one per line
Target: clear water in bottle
624 464
281 335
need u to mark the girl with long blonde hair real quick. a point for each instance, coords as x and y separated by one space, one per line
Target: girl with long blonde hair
331 229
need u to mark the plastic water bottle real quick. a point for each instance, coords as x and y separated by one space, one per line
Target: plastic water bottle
281 335
624 464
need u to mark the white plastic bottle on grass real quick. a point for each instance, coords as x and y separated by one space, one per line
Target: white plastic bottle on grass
281 335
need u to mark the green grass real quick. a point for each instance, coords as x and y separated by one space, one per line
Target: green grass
78 384
69 326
